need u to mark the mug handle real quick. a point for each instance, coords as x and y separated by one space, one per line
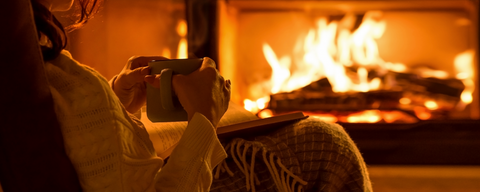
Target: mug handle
166 89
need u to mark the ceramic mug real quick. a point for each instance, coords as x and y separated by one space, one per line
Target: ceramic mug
162 104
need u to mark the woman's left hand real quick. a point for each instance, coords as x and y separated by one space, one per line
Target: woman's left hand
129 86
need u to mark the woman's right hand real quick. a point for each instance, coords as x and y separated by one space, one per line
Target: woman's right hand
204 91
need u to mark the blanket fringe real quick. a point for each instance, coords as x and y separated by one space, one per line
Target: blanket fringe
284 179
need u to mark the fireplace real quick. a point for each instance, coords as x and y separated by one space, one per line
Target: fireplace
402 121
400 75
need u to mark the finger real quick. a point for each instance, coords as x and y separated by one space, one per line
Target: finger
228 85
153 80
137 75
141 61
228 93
207 62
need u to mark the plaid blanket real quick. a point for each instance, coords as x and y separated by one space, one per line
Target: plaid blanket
309 155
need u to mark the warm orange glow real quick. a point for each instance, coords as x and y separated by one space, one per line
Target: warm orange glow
397 116
324 55
166 53
466 97
396 67
439 74
249 105
367 116
265 113
324 117
182 52
465 72
182 28
280 69
262 102
405 101
346 57
182 49
422 113
256 106
432 105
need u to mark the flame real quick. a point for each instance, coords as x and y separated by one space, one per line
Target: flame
465 71
182 52
323 57
256 106
280 68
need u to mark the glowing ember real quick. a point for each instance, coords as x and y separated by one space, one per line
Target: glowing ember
368 116
325 117
265 113
405 101
422 113
432 105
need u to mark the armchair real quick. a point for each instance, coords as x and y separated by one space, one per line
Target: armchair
32 154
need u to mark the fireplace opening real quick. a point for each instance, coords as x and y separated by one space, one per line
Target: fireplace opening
352 61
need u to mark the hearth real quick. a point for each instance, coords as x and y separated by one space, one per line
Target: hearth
400 75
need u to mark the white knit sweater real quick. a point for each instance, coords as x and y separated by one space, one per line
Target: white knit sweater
108 148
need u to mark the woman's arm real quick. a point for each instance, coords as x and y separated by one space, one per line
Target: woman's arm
190 165
205 95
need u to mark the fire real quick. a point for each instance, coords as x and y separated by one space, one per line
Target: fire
182 52
332 50
325 57
256 106
465 72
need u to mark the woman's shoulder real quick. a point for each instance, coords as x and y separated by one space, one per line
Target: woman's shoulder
66 64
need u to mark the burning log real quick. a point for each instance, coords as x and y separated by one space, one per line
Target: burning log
326 101
401 91
415 83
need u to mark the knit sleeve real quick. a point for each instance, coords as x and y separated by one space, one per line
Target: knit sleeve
191 163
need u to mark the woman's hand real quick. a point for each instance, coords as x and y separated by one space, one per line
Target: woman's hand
204 91
129 86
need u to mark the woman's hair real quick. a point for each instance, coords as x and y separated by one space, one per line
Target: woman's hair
48 25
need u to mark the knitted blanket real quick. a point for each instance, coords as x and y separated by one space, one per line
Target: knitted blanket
309 155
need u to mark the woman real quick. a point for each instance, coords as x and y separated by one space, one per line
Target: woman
111 151
108 146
